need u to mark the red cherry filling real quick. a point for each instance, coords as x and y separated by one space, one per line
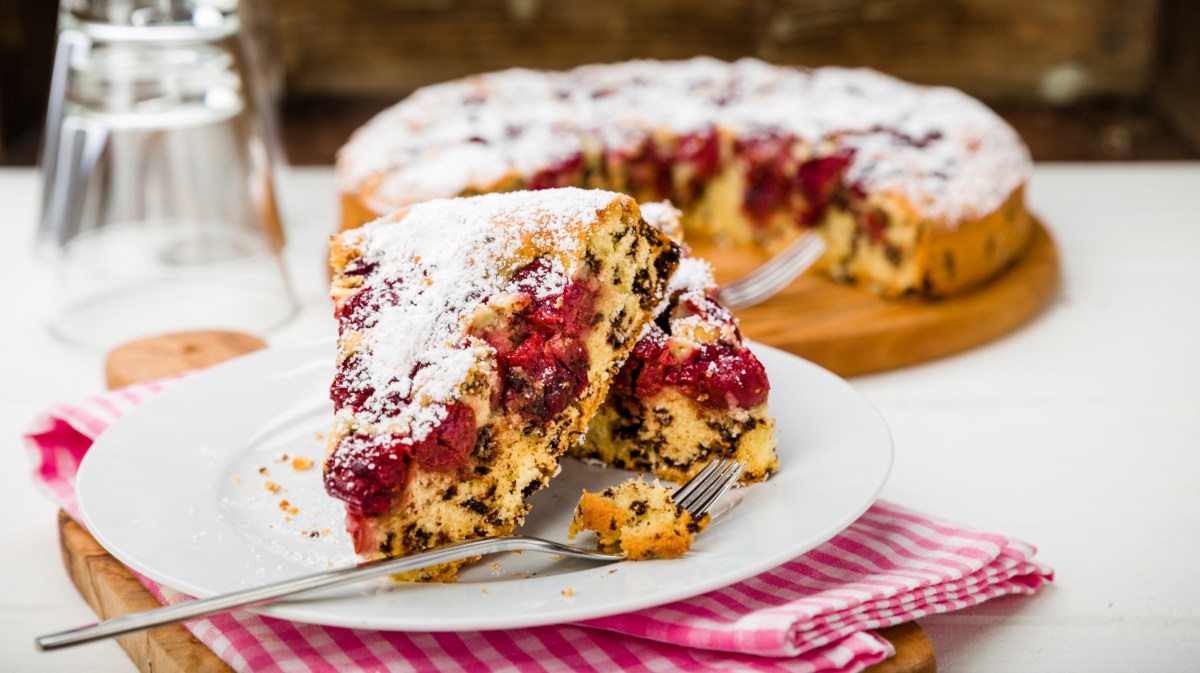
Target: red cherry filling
449 446
647 169
565 173
768 175
773 177
350 387
702 153
874 222
716 375
542 359
543 375
820 180
368 472
359 309
358 267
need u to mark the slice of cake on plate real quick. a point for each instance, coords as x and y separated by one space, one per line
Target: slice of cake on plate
477 338
691 391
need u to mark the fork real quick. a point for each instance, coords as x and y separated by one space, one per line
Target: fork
697 497
774 274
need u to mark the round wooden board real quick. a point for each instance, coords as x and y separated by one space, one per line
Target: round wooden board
849 331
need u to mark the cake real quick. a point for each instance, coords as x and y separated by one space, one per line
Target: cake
638 520
691 390
477 337
916 190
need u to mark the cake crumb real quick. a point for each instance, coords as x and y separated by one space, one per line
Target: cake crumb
288 507
273 487
638 520
262 471
301 463
568 592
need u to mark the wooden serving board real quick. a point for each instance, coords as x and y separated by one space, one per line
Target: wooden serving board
112 590
849 331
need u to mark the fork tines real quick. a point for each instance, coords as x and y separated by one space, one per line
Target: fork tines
699 494
774 274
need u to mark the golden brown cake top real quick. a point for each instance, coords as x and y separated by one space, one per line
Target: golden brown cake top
944 152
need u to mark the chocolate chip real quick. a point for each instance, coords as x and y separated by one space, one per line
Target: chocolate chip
416 537
892 253
475 506
530 488
485 446
590 262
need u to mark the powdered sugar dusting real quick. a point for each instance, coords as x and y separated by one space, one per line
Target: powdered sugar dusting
947 153
431 267
666 218
692 274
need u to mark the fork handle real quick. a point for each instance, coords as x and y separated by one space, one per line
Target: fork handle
269 593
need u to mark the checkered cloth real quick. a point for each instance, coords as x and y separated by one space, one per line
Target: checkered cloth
812 614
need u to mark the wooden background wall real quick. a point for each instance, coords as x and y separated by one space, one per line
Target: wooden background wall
1080 79
1002 50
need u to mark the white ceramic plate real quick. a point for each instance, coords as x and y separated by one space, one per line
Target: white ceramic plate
175 491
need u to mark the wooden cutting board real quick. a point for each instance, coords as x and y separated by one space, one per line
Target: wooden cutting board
849 331
112 590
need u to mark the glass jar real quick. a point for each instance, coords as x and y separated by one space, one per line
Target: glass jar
158 210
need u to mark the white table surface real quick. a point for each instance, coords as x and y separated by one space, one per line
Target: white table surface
1079 433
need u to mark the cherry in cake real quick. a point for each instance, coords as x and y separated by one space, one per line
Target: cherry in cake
477 337
916 190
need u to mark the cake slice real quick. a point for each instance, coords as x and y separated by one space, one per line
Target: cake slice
477 337
638 520
691 391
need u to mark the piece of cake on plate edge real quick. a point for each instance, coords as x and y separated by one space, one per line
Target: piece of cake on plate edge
691 390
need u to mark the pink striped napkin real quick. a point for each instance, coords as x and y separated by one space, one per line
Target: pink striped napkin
811 614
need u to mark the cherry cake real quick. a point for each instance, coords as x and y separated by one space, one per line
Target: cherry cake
916 190
691 391
477 338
